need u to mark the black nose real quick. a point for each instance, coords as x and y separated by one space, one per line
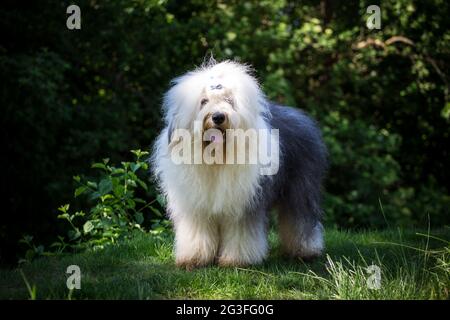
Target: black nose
218 117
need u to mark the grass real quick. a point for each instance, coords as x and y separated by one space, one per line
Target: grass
413 266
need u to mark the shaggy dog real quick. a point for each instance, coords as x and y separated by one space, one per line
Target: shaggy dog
220 208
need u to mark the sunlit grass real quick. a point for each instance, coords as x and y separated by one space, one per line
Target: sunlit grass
413 265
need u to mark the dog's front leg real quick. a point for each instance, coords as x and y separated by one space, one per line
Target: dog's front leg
196 241
243 241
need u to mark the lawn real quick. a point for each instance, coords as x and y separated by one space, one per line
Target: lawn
413 266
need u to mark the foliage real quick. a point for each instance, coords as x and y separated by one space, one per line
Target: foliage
381 96
115 209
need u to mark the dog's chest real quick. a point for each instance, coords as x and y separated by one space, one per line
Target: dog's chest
222 190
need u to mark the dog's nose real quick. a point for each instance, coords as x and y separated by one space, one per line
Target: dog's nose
218 117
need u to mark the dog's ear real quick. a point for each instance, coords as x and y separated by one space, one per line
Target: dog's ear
170 139
169 113
170 129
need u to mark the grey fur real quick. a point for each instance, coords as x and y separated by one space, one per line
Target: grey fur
296 189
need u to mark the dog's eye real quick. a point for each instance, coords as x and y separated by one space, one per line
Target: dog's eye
203 102
230 101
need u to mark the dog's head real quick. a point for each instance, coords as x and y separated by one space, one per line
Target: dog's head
220 96
217 110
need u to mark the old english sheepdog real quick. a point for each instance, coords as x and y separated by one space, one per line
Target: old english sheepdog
219 205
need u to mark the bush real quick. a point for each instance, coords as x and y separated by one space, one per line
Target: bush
114 210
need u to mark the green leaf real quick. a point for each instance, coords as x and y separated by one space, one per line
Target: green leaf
131 183
88 227
26 239
98 166
80 190
445 112
105 186
107 197
64 208
161 200
74 234
144 166
156 211
119 190
142 184
29 254
39 249
63 216
131 203
95 195
92 184
139 217
79 214
139 153
117 171
135 166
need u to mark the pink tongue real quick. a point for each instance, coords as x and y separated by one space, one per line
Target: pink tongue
216 138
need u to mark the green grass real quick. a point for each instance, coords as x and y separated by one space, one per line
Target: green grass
412 266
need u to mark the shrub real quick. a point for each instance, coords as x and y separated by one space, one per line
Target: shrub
114 209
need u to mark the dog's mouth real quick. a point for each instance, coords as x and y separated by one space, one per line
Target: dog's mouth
218 137
214 134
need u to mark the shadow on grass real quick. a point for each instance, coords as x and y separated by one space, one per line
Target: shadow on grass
143 268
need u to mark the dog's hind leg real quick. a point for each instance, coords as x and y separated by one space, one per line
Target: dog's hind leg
300 229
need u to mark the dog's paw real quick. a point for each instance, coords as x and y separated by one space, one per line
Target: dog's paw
191 264
302 255
309 258
231 263
236 262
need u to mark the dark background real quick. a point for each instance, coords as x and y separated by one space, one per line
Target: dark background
72 97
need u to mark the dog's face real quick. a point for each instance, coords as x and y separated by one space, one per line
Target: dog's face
217 110
219 97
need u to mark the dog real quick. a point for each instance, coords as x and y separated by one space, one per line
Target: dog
220 210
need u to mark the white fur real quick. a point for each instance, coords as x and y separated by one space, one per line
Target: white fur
243 242
313 245
207 202
294 241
